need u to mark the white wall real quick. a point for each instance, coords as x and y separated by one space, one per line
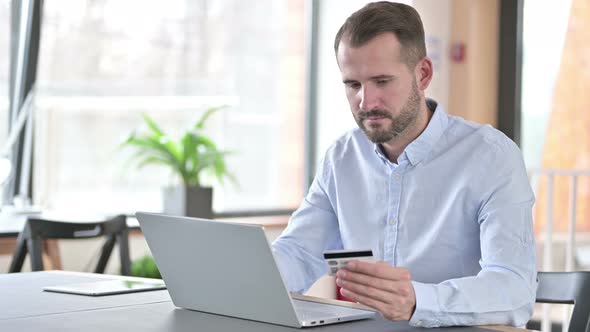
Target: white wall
436 17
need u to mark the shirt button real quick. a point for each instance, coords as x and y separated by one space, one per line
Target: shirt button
392 222
396 176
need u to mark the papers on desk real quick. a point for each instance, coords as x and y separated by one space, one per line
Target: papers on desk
106 287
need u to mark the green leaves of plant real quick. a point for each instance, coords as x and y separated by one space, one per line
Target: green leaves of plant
145 267
188 157
201 123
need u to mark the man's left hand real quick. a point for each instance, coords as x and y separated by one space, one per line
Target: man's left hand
380 286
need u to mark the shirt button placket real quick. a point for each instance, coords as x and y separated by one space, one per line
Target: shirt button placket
393 222
389 244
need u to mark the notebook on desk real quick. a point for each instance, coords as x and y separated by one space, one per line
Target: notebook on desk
228 269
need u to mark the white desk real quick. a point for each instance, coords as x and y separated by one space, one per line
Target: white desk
25 307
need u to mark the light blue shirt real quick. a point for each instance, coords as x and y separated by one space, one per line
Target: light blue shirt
456 211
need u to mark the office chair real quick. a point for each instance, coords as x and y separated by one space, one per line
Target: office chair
567 288
37 229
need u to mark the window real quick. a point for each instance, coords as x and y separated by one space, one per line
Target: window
4 66
555 120
102 64
539 60
4 72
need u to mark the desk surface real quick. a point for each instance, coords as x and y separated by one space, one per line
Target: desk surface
24 306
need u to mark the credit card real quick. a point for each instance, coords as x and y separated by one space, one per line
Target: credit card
337 259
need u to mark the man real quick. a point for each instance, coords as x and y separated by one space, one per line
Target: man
444 204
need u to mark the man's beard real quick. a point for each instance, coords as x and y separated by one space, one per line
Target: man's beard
399 124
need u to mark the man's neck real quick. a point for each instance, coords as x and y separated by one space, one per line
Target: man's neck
395 147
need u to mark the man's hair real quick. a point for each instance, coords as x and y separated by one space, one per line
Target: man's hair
380 17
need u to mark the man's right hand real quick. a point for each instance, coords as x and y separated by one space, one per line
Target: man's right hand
380 286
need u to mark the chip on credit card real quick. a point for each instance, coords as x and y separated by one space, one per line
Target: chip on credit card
337 259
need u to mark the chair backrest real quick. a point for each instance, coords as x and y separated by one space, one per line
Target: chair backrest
567 288
38 228
56 229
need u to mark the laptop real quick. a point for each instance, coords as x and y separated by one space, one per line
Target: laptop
228 269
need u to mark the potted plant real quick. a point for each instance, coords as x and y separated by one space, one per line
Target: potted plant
187 157
145 267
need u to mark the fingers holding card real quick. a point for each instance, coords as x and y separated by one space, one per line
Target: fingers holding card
337 259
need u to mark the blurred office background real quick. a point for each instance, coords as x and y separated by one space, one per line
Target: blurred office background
102 63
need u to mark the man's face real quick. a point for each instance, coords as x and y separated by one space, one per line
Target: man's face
381 90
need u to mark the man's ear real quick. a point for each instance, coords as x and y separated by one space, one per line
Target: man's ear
423 73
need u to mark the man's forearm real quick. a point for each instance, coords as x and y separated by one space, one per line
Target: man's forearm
490 298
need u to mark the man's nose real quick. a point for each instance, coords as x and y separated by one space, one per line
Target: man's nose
369 98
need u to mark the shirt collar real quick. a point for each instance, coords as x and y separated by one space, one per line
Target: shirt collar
421 146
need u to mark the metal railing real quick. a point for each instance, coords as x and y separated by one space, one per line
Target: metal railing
570 243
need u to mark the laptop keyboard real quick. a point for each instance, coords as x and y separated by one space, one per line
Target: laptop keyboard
313 311
306 315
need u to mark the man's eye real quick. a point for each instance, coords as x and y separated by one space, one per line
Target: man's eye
382 82
354 86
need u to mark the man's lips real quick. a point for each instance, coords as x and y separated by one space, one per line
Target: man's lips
374 118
